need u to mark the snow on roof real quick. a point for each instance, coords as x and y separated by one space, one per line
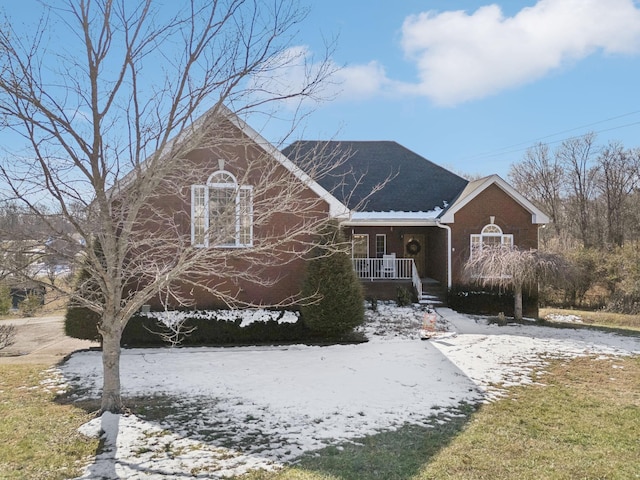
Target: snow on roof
396 217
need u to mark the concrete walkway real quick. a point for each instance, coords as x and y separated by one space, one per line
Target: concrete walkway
463 324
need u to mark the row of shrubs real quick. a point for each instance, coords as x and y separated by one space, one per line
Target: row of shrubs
218 329
145 331
604 278
489 301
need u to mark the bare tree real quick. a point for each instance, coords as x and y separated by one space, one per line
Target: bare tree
7 336
576 157
540 177
617 179
513 268
112 125
172 327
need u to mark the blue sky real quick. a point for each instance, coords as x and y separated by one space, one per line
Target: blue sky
471 85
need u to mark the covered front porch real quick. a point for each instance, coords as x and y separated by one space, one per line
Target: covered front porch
381 278
396 249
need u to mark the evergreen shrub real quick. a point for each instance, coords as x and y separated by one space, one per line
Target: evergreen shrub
82 323
338 305
5 299
215 331
404 297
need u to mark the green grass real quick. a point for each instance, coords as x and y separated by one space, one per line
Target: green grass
388 455
599 318
38 437
583 423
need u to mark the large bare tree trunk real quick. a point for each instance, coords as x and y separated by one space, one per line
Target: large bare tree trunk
105 145
111 399
517 307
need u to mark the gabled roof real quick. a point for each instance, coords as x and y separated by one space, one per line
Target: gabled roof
473 189
413 183
336 208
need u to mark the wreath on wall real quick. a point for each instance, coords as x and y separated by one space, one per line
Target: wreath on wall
413 247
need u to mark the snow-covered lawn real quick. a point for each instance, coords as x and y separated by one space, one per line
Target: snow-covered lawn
237 409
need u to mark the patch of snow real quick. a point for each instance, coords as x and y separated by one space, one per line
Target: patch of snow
54 382
396 215
496 357
246 317
557 317
237 409
136 449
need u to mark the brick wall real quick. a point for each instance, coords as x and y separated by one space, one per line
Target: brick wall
509 215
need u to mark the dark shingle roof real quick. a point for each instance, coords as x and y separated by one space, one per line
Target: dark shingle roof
415 184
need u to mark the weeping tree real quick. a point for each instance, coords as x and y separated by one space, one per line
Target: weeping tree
100 130
511 268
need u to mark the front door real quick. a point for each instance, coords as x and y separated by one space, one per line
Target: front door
415 247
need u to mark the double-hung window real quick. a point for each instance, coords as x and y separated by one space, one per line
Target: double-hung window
360 253
381 245
490 235
222 212
360 245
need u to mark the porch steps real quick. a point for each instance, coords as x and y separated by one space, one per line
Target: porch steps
433 293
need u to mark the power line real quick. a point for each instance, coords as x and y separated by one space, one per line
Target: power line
516 147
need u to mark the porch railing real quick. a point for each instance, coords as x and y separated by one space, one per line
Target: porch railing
388 269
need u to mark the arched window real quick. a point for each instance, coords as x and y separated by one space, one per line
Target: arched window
491 234
222 212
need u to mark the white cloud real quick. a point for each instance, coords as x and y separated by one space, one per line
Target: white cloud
284 76
463 56
362 80
289 73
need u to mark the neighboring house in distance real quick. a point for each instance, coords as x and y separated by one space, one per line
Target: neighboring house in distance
416 230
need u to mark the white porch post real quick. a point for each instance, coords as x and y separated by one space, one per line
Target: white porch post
449 275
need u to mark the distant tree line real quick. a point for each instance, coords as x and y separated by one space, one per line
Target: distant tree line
591 193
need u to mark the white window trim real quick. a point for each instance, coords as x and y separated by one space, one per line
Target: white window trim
239 244
205 195
384 238
204 191
488 231
353 250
